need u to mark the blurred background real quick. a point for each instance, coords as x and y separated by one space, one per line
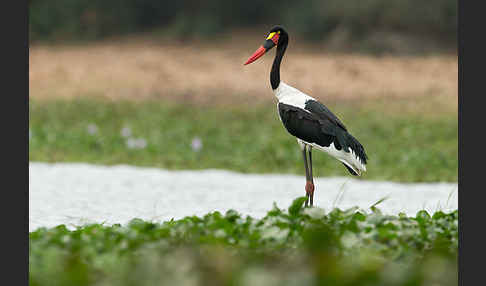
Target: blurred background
375 26
162 83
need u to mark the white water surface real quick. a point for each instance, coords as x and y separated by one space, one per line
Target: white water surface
76 193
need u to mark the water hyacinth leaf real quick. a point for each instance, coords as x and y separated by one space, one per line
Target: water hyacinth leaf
341 247
438 215
422 216
297 206
275 210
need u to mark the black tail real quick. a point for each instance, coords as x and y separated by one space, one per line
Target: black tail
357 148
347 141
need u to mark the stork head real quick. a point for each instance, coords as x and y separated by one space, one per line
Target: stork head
272 39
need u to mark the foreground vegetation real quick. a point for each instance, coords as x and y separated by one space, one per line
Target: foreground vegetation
406 140
287 247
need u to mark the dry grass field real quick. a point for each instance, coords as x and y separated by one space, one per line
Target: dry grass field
202 72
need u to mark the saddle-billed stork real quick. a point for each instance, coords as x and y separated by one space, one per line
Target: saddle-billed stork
310 121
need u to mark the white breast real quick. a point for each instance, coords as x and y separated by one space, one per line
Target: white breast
291 96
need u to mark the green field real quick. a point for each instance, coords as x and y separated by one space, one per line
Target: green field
287 247
409 140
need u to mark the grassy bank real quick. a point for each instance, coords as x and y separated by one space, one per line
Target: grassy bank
294 247
406 140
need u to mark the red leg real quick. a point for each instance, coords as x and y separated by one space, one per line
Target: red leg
309 190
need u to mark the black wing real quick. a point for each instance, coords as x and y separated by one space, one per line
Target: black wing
322 127
307 126
323 112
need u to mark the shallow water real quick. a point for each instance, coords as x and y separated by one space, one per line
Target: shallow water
76 193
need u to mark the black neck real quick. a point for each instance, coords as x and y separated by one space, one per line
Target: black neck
275 73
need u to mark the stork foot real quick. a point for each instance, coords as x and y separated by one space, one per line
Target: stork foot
309 193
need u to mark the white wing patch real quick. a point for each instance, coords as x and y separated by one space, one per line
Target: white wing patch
349 158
